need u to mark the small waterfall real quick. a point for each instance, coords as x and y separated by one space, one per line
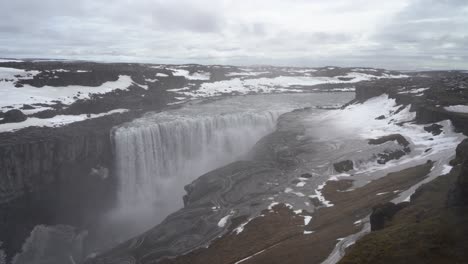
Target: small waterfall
155 159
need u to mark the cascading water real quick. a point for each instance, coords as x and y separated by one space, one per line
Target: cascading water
158 154
154 160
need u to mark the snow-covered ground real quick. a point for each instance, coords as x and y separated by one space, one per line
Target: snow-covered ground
414 91
11 75
9 60
357 122
16 97
246 73
275 85
457 108
56 121
201 76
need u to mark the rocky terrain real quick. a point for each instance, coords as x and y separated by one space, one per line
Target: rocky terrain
284 232
57 164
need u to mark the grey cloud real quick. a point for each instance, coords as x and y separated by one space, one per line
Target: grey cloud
185 15
426 33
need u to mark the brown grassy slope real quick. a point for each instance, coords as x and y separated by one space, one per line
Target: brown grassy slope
278 236
427 231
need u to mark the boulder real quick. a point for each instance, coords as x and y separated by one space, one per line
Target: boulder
383 213
389 155
435 129
343 166
27 107
394 137
13 116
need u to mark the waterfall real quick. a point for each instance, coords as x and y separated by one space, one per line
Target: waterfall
155 159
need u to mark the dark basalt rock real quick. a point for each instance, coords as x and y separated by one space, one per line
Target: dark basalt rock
45 114
384 213
459 194
435 129
27 107
13 116
394 137
391 155
388 155
461 153
343 166
380 117
306 175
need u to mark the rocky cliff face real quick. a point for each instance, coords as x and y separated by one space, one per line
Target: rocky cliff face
55 176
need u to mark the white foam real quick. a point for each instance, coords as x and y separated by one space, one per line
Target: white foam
224 220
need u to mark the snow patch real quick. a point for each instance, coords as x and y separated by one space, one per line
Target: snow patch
56 121
16 97
457 108
414 91
446 169
240 228
200 76
301 184
9 60
224 220
320 197
278 84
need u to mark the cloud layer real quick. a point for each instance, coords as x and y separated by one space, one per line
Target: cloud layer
400 34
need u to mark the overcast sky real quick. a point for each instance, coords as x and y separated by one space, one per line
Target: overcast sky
398 34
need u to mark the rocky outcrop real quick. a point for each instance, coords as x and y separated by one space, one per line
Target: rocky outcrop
384 213
394 137
461 153
459 194
391 154
435 129
343 166
13 116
